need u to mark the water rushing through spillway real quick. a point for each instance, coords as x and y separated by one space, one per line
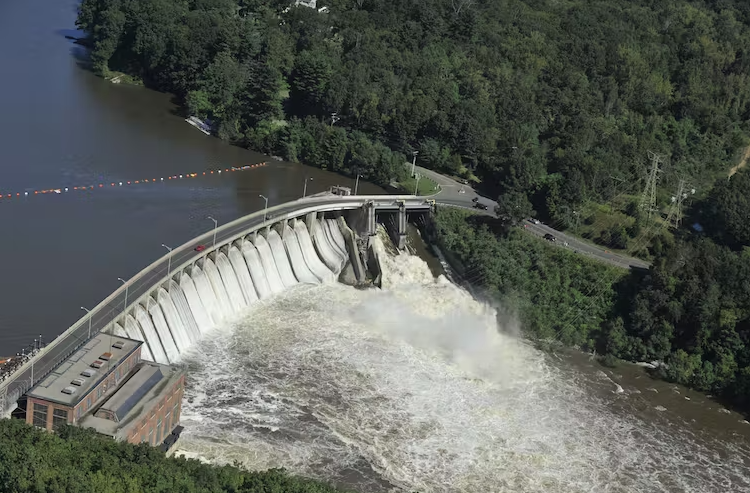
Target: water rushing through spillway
224 284
413 387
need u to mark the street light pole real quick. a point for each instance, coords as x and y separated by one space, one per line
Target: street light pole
89 312
304 191
414 161
356 184
265 209
169 261
216 225
125 306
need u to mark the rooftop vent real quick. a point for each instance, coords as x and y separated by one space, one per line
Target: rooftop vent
105 356
118 345
97 364
69 390
88 372
78 382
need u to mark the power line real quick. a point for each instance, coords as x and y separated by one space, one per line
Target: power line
648 197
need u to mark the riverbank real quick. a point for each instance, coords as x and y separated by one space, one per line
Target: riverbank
563 298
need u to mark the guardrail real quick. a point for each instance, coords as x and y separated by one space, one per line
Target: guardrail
307 204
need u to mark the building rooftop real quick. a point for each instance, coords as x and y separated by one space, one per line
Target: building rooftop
133 400
82 371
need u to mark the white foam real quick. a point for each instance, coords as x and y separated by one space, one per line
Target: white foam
416 382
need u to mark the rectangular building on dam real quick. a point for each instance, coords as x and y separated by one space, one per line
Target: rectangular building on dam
106 386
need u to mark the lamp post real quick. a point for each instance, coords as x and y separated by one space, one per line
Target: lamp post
89 312
216 226
169 261
356 184
265 209
414 161
125 306
304 191
416 186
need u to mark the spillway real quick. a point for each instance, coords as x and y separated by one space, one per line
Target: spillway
269 265
281 259
162 329
215 289
331 228
149 331
119 331
218 286
174 322
197 310
256 269
308 253
232 285
325 250
183 309
301 271
207 295
243 275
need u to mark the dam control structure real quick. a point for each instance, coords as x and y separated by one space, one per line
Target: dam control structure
172 303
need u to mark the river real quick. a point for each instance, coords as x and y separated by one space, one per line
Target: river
62 127
539 422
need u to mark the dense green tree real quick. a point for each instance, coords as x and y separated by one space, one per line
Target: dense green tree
80 461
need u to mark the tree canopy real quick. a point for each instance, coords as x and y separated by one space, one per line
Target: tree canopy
80 461
558 101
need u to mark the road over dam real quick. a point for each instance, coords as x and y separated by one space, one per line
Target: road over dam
98 318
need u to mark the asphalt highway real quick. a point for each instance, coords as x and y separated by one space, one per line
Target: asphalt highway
460 195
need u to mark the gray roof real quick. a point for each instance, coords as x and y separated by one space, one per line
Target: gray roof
138 409
59 387
127 396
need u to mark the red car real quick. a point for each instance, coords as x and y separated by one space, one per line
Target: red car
200 248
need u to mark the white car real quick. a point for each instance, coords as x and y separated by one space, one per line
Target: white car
535 221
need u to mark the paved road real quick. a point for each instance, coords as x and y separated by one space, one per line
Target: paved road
455 193
65 345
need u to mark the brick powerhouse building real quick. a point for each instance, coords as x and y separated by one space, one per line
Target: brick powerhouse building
106 386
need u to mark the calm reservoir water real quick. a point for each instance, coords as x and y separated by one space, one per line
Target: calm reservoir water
543 418
62 127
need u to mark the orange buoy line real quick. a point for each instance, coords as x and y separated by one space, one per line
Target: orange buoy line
62 190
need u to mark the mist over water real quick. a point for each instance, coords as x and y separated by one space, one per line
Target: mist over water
413 387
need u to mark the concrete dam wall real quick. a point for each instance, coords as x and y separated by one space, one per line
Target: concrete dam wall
199 297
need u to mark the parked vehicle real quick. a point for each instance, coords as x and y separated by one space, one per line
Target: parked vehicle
200 248
480 206
550 237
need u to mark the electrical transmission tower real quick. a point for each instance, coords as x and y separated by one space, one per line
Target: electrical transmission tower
674 218
648 198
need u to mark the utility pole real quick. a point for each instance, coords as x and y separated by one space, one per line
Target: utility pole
648 197
674 218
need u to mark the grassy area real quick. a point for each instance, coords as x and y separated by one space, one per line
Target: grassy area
426 186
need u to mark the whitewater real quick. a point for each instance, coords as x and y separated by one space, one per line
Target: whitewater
414 387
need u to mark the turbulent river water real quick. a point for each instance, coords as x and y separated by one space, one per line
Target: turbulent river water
414 387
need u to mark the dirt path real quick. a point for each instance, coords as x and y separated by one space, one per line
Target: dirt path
743 162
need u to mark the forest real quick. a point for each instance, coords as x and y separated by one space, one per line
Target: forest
76 460
553 107
690 311
555 102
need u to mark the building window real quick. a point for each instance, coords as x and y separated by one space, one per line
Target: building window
98 392
151 435
158 431
40 415
176 412
59 418
88 402
167 426
78 412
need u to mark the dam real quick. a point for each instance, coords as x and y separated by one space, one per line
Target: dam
172 303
